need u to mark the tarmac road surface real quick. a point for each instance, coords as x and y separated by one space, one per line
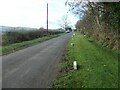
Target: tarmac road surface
35 66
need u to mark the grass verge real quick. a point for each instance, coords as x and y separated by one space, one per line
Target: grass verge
97 65
17 46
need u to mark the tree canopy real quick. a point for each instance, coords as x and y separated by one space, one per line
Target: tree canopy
98 19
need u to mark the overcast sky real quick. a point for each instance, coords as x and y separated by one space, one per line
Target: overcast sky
32 13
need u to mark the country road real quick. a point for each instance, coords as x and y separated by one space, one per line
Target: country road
35 66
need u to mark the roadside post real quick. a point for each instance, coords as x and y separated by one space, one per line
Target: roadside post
47 17
75 65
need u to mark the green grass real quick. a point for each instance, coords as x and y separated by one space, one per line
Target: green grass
17 46
0 50
97 65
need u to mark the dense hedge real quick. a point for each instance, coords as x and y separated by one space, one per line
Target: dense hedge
10 37
101 23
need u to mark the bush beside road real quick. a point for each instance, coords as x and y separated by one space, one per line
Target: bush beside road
10 48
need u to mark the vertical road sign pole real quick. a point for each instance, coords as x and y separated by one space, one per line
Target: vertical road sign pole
47 17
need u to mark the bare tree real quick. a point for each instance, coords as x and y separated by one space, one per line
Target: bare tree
64 22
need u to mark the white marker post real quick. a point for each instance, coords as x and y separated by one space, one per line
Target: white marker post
73 34
75 65
72 44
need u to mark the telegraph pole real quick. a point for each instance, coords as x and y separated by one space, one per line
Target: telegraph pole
47 17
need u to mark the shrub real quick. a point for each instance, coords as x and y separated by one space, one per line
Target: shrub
16 36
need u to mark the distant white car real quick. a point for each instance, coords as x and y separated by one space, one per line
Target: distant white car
67 31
